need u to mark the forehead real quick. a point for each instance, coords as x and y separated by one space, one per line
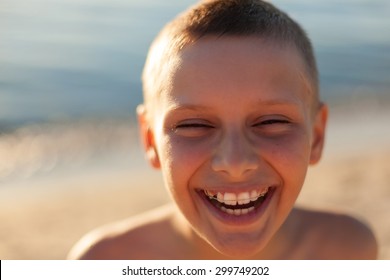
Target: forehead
237 63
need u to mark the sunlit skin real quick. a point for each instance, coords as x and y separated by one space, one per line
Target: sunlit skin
238 115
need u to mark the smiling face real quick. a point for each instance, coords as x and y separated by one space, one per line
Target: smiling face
233 135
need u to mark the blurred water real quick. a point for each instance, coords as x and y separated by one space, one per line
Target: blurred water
62 61
68 58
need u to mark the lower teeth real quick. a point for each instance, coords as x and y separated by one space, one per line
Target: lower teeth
237 212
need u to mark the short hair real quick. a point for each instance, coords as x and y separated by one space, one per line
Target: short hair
225 18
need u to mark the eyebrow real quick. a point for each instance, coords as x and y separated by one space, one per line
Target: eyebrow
188 107
270 102
279 102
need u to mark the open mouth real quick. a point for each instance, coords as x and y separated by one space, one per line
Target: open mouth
237 204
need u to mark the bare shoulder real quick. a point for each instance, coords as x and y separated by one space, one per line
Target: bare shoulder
128 239
336 235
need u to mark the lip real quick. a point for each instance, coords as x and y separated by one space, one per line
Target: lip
241 220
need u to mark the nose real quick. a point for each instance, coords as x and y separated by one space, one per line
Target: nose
235 155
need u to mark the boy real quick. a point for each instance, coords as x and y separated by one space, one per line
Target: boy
233 118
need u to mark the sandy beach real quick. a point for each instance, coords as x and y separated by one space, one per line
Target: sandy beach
41 217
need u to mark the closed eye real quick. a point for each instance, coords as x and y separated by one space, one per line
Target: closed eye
272 126
273 121
193 129
193 125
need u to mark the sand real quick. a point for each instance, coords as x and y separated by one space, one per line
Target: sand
43 216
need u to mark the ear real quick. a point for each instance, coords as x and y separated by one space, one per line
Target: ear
147 137
319 133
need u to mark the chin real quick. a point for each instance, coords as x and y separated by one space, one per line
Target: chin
239 248
239 252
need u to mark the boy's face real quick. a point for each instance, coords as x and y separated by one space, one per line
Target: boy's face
234 135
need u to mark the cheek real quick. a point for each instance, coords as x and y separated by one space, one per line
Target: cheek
290 157
182 153
180 160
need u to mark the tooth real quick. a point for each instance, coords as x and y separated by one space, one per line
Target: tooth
243 198
244 211
220 197
223 209
264 192
211 193
254 195
237 212
230 211
250 209
230 199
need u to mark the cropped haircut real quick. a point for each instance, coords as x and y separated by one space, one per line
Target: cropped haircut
240 18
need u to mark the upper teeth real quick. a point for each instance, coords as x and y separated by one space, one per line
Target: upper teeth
236 198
